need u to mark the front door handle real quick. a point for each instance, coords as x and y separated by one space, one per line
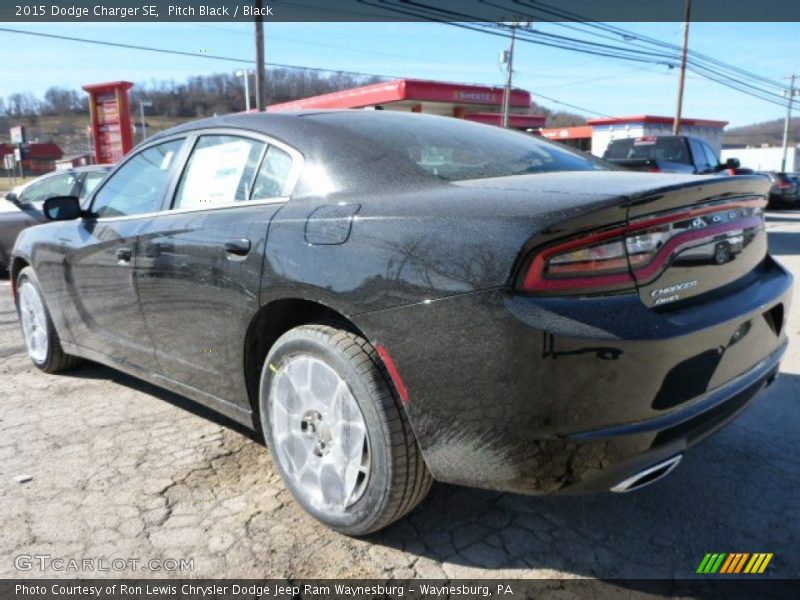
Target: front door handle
124 256
238 246
156 249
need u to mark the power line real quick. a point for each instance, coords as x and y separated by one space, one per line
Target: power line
632 37
600 78
322 45
424 11
230 59
183 53
586 110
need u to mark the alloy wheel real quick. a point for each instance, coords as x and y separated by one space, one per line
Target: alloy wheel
319 433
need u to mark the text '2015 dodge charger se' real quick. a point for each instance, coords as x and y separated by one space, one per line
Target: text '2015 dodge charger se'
395 298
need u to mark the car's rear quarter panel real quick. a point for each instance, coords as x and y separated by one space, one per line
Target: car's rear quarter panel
498 382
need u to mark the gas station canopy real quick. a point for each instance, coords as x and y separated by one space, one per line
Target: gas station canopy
434 97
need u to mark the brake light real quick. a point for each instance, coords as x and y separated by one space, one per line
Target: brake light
614 259
784 185
653 169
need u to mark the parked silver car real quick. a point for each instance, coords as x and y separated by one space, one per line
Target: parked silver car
23 206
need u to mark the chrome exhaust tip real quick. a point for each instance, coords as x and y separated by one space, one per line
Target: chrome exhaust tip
647 476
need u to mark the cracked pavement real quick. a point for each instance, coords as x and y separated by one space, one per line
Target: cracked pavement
122 469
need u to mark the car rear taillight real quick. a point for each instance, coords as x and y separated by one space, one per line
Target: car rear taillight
654 169
783 185
615 259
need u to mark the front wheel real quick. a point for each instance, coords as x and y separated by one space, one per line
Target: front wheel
41 339
338 435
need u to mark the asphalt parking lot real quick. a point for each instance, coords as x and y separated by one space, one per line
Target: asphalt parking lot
121 469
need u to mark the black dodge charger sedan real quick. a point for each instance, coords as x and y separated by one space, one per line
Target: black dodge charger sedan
395 298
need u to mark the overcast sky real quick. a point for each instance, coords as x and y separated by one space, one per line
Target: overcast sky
421 50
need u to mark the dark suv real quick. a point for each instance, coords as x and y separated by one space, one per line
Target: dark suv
785 190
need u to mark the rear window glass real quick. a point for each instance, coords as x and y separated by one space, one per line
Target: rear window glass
457 150
667 149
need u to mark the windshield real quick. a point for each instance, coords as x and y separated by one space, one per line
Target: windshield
457 150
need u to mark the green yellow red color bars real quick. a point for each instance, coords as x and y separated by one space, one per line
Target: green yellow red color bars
735 562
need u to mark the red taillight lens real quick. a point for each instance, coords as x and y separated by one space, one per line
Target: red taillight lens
616 259
595 261
654 169
784 185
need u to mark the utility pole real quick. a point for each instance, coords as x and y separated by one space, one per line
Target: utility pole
676 126
508 59
246 74
142 104
790 93
261 74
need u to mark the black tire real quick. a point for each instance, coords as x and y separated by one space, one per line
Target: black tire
398 479
55 359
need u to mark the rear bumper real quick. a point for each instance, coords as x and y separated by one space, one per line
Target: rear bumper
547 395
666 437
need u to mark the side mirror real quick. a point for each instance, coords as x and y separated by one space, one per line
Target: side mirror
12 197
62 208
732 163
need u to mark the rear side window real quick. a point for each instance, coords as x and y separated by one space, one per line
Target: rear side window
137 187
273 176
220 170
90 182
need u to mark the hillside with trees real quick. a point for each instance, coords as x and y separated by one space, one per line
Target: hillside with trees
769 132
62 114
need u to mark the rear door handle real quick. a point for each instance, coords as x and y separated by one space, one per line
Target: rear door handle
238 246
123 256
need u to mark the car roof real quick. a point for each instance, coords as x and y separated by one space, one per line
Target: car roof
299 129
89 168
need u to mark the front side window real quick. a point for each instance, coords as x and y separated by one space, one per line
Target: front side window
137 187
55 185
220 170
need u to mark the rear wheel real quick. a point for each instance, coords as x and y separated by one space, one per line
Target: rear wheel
722 253
336 430
41 339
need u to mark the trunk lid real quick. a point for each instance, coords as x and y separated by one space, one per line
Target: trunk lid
710 233
682 235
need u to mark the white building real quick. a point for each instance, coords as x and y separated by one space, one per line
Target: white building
765 159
